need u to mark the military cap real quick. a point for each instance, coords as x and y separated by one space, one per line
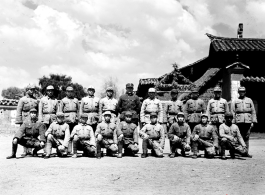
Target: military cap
84 115
217 89
241 89
31 86
180 114
152 90
228 115
69 88
128 113
204 115
153 114
107 113
174 91
129 85
110 89
91 87
33 110
60 114
50 87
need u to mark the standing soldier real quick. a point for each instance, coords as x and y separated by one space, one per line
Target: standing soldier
58 136
153 136
83 138
108 103
179 136
204 137
193 109
127 136
244 115
129 102
173 108
24 105
90 106
28 133
70 107
231 138
151 104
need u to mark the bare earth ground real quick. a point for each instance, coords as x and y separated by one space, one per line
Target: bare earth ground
131 175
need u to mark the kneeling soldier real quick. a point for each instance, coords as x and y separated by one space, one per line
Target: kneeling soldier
231 138
127 136
179 136
106 135
204 137
58 136
153 137
28 134
83 138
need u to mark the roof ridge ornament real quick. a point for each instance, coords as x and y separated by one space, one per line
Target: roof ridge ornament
240 31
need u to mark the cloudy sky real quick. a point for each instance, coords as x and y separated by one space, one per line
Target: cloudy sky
91 40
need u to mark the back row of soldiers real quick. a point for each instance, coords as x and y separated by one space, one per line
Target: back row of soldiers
243 111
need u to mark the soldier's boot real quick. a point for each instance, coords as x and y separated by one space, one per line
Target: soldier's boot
232 154
59 153
74 149
35 151
183 153
48 149
172 155
222 154
120 146
69 149
144 145
119 155
109 153
14 151
153 153
99 153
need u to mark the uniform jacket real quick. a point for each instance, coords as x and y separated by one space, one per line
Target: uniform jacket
174 107
47 109
155 132
231 132
59 131
205 132
217 108
84 133
70 108
90 105
129 131
24 105
182 131
243 111
194 109
129 103
108 131
149 106
108 104
31 129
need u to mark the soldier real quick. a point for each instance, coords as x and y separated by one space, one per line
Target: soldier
204 137
179 136
153 136
90 106
194 108
108 103
24 105
129 102
70 107
244 114
151 104
28 134
231 138
58 136
173 108
83 138
127 136
216 108
106 135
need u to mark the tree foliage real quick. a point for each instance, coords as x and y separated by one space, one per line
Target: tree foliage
110 82
12 93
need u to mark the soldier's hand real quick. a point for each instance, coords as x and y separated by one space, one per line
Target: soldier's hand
99 137
145 136
196 137
143 124
61 147
120 137
42 144
176 138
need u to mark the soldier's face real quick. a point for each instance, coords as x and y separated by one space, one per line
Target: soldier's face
69 93
217 94
204 120
60 119
33 115
129 90
109 93
242 93
30 91
153 119
107 117
128 119
91 92
174 95
228 120
152 95
180 119
83 120
50 93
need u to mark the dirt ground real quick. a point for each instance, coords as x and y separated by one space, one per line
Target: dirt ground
132 175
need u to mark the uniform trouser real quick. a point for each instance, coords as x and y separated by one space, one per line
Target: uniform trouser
83 145
153 145
71 127
54 143
233 147
179 145
111 147
245 130
128 147
26 142
207 146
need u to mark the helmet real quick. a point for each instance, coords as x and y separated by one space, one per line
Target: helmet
180 114
217 89
129 85
241 89
152 90
50 87
91 87
60 114
30 86
228 115
107 113
33 110
204 115
69 88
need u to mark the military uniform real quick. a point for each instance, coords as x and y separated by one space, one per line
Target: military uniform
47 110
83 139
149 106
153 136
244 114
58 135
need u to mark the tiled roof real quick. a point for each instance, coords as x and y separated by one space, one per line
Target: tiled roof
236 44
206 77
9 102
253 79
148 81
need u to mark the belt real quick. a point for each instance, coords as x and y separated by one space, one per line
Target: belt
218 112
239 112
191 112
68 111
110 111
147 112
90 111
49 113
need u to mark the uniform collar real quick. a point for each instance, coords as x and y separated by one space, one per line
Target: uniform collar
90 96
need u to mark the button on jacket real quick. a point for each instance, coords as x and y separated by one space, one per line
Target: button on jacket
70 108
84 133
149 106
217 108
47 109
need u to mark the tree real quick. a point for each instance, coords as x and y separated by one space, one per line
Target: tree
60 83
110 82
12 93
